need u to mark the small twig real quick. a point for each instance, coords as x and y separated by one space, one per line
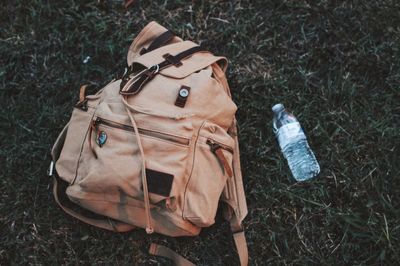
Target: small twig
24 127
220 19
369 175
387 230
128 3
338 245
301 239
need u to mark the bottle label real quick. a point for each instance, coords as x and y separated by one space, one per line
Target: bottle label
290 132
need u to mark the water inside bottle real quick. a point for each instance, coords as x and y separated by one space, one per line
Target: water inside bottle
294 145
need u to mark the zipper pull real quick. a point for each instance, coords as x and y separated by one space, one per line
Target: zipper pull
94 126
217 150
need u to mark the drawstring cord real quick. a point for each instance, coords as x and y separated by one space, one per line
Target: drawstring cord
149 226
137 109
93 127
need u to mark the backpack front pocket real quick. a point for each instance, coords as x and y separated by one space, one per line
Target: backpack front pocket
212 166
111 161
67 163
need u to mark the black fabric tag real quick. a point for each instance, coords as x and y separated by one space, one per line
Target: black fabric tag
158 182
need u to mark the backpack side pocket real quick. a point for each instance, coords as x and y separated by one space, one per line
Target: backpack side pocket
78 128
213 154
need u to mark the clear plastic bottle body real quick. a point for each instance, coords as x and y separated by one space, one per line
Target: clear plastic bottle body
294 145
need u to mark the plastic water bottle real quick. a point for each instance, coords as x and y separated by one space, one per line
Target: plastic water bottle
294 145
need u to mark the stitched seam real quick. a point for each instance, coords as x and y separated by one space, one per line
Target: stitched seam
111 201
175 221
191 171
80 153
236 191
83 145
154 138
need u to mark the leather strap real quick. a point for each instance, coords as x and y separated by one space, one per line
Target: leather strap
221 157
82 104
107 224
161 40
131 88
240 242
238 237
82 92
236 226
241 247
162 251
181 56
135 85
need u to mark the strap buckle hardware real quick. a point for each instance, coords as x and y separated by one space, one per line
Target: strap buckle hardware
182 96
237 229
172 60
154 69
127 71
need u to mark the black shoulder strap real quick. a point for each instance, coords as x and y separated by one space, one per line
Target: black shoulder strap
159 41
133 86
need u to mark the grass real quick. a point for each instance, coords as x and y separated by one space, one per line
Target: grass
335 65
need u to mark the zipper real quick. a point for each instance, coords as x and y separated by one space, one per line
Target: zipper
217 145
217 148
142 131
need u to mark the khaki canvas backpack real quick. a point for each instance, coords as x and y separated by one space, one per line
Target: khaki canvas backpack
156 149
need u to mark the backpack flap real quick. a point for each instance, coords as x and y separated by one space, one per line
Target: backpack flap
161 92
195 62
145 38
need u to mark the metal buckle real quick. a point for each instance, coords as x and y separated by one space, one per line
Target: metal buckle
156 70
127 71
150 72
